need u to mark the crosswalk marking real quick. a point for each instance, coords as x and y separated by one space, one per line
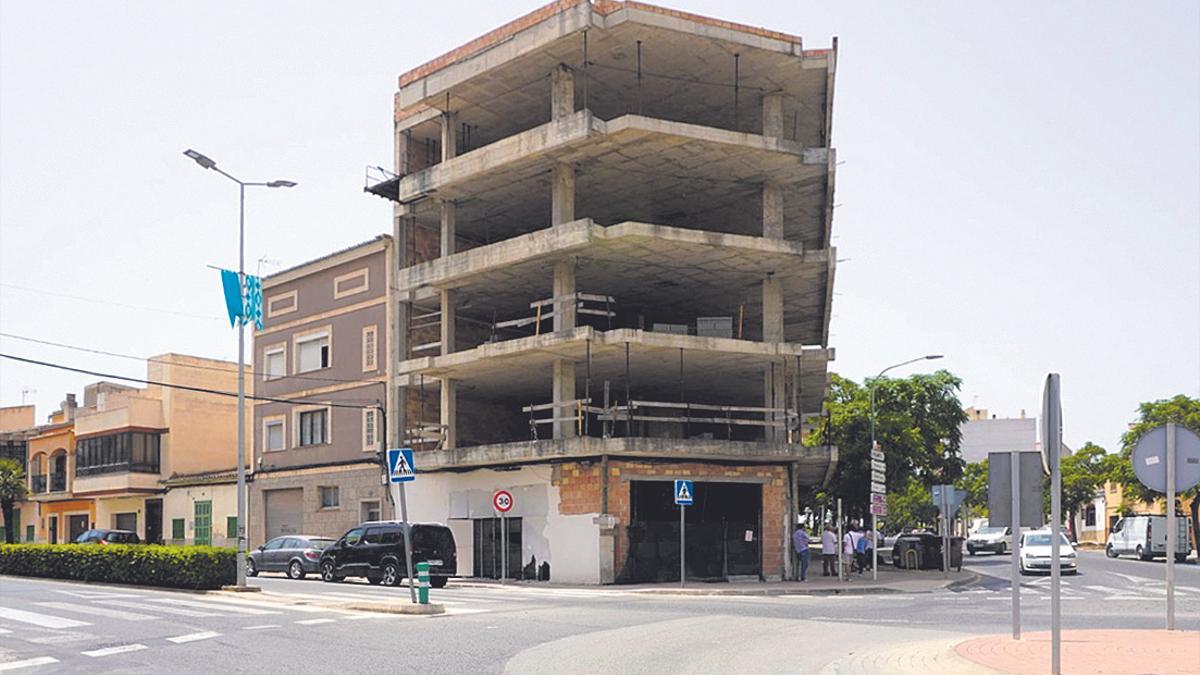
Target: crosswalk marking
97 611
263 604
263 626
95 595
27 663
43 620
61 638
192 637
313 622
109 651
210 606
153 608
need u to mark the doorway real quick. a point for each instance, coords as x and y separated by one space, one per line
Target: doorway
490 549
203 523
154 514
724 532
53 523
76 525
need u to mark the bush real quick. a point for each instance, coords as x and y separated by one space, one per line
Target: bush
191 567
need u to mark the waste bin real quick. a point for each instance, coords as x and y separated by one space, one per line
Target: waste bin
956 553
914 551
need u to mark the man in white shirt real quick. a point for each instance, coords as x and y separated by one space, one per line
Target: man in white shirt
828 552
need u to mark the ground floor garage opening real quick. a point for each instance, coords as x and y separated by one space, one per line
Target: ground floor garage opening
490 548
284 511
723 532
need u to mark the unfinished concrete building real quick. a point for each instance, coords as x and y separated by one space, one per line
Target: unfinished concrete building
612 231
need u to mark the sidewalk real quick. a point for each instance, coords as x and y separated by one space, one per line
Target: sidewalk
1084 652
890 580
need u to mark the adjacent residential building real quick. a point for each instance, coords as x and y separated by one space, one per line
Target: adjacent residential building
613 269
60 515
983 433
323 353
17 426
130 443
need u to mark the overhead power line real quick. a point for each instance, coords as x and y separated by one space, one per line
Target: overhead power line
185 387
110 302
132 357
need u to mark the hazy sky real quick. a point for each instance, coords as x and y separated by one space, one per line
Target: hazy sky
1019 186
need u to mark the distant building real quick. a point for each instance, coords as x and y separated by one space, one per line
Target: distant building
982 434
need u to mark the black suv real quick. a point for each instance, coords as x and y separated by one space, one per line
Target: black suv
375 550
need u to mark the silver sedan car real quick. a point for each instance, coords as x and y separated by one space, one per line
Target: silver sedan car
295 554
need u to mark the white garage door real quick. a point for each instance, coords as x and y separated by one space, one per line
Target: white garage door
285 511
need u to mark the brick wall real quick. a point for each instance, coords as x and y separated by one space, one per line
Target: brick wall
579 488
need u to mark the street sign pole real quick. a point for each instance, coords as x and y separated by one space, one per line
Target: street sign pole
1052 434
400 471
874 549
503 548
412 589
1171 526
1016 543
841 577
682 549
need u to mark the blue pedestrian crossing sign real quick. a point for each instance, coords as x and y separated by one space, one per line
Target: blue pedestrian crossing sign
683 492
400 465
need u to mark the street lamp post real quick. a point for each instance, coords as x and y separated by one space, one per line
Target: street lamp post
207 163
871 389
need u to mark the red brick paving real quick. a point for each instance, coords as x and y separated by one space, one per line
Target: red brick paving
1090 651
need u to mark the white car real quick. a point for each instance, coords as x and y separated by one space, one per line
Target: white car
1035 553
994 539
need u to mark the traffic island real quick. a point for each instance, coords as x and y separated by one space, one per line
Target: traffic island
429 609
242 589
1089 651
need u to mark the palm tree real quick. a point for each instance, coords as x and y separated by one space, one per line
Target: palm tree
12 489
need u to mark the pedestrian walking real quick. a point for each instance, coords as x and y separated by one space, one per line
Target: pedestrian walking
828 552
861 552
800 542
848 552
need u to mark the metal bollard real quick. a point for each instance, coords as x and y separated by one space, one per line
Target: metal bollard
423 583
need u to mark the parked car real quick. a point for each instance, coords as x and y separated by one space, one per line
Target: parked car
108 537
1146 537
295 554
375 550
1036 552
994 539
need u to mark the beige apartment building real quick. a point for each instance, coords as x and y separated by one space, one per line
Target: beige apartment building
322 353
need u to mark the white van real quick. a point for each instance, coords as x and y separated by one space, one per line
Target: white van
1146 537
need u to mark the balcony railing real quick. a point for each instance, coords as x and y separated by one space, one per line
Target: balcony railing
58 482
37 484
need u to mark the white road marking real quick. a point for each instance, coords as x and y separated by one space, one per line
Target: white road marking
208 605
1099 589
96 595
192 637
313 622
1187 589
27 663
153 608
265 604
62 638
4 631
43 620
109 651
262 627
97 611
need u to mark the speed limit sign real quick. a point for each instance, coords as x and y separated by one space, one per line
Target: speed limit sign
502 500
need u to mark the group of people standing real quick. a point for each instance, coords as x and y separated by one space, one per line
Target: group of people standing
857 547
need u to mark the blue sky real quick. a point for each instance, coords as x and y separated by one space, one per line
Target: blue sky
1019 187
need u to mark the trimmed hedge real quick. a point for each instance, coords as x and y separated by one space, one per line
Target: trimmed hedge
191 567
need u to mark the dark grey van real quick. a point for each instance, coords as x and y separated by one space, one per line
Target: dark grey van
375 550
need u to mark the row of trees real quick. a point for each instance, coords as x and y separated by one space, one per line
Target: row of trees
917 423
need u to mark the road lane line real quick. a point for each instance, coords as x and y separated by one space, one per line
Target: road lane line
262 627
192 637
155 608
97 611
313 622
27 663
208 605
265 604
109 651
43 620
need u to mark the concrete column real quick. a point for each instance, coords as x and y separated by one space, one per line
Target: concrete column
449 410
564 390
449 321
401 151
772 215
449 135
562 92
774 392
565 304
772 115
449 227
562 194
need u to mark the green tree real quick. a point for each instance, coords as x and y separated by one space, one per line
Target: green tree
1083 473
910 505
974 482
12 490
1182 410
917 424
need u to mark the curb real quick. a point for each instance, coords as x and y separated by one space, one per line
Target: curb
431 609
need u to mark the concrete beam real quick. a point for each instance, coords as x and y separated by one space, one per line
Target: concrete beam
562 92
449 412
811 462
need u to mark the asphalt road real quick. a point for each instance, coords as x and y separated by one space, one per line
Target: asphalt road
49 626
